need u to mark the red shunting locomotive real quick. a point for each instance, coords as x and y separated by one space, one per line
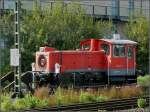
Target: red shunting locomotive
98 61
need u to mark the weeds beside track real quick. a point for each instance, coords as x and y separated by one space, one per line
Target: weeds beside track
117 104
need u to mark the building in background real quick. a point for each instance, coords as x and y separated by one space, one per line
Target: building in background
118 10
1 4
114 7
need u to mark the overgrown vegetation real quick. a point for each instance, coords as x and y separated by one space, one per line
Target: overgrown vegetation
41 98
138 30
141 103
144 83
87 97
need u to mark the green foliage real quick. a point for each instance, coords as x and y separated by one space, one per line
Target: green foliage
59 97
141 103
6 102
144 81
7 36
31 101
19 104
5 97
63 97
138 30
43 103
102 98
7 106
86 97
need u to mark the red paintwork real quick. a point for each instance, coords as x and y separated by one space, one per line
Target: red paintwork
48 49
85 59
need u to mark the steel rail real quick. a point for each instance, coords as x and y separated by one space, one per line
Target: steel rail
117 104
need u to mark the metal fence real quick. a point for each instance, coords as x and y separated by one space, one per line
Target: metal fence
99 9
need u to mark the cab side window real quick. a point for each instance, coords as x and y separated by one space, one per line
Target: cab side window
130 52
105 47
86 47
119 50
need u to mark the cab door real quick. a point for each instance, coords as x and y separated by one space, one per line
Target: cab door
130 60
118 60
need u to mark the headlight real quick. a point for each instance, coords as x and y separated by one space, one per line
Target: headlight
42 61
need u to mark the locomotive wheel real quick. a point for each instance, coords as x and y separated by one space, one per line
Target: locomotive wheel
26 78
63 80
81 79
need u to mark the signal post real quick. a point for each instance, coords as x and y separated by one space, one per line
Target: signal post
16 53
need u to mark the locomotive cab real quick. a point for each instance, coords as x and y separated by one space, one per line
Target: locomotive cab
89 45
121 55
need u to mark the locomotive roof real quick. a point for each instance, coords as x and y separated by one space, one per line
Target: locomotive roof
114 41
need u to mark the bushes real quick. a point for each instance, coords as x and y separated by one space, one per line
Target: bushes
87 97
144 81
32 101
141 103
7 106
29 101
102 98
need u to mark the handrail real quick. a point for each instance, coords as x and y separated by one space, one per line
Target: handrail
6 75
9 85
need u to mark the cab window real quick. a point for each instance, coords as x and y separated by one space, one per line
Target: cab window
130 52
105 47
119 50
86 47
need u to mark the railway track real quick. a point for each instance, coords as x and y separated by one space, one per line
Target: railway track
119 104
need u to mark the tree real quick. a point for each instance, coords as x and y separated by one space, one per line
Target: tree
62 27
138 30
7 36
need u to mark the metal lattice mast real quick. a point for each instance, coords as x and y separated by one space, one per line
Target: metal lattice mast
0 53
149 44
17 69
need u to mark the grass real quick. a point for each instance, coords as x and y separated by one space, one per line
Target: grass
42 93
86 97
123 92
41 98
